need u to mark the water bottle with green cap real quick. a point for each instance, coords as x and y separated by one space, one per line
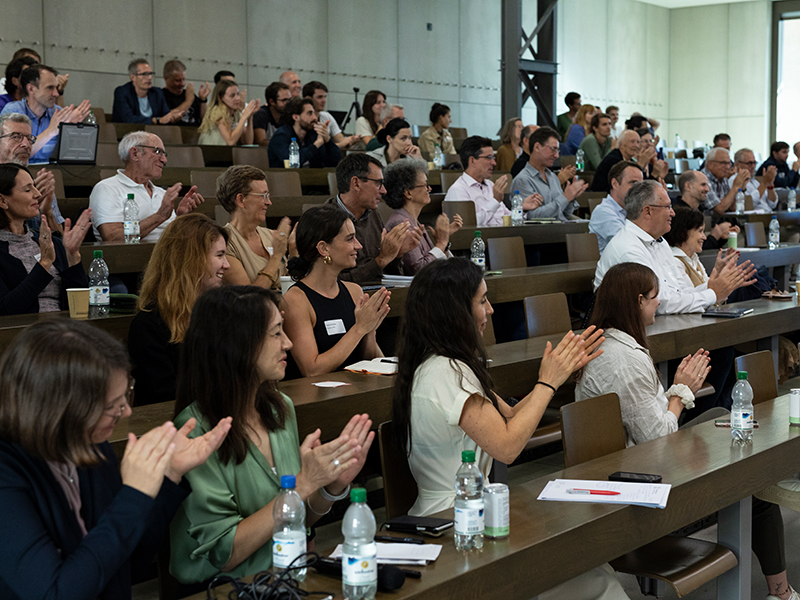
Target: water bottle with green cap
469 504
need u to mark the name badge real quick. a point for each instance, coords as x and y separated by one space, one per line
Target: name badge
335 326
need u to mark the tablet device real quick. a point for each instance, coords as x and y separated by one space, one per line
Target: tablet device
77 144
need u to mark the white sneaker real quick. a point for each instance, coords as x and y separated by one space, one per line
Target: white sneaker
794 596
790 485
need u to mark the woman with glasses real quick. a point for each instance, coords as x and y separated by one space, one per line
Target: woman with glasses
331 323
257 255
36 268
408 192
397 143
77 521
226 123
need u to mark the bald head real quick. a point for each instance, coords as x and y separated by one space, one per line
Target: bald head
292 79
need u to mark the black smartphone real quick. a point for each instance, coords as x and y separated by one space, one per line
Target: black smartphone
429 526
634 477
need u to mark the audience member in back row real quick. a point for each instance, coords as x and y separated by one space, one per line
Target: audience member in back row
397 144
655 168
369 122
16 143
627 149
565 120
292 81
722 193
389 112
511 147
579 130
267 119
224 124
331 323
437 133
598 143
608 217
257 255
785 177
144 157
318 92
359 178
537 179
408 192
524 139
13 73
299 120
40 92
224 75
762 192
188 260
181 96
693 186
139 102
477 156
36 268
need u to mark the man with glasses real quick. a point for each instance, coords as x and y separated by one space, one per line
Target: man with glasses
785 176
267 119
359 178
139 102
722 191
762 193
144 157
537 181
693 187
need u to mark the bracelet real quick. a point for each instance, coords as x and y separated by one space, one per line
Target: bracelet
770 187
319 514
270 277
546 385
201 100
158 120
683 392
326 495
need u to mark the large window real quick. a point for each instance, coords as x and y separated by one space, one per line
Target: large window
785 109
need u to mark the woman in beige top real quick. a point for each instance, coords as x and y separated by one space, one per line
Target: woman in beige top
256 254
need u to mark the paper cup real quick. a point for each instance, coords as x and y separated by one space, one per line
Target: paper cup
431 166
286 283
286 164
78 300
506 220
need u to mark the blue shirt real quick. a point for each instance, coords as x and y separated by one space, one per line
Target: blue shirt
607 219
38 125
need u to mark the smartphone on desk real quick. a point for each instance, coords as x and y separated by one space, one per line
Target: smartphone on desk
429 526
629 477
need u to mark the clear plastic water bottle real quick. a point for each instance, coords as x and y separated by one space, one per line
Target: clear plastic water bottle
791 204
359 551
438 157
130 218
579 160
469 504
740 202
289 532
90 118
742 409
478 251
99 300
677 141
517 217
774 233
294 154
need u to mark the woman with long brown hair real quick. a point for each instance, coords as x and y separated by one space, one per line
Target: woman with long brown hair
368 124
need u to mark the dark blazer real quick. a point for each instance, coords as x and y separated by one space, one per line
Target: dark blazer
154 358
126 105
327 155
42 552
600 180
19 290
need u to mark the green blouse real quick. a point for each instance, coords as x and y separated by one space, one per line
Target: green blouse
202 531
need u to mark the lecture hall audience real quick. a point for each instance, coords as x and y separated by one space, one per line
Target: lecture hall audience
318 92
224 123
14 70
785 176
437 133
317 149
138 101
397 143
181 96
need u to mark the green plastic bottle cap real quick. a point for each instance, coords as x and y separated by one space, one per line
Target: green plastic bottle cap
468 456
741 375
358 495
98 254
130 196
477 234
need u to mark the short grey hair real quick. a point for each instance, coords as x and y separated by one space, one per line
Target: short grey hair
685 179
387 110
740 154
14 118
400 176
712 154
173 66
133 66
131 140
641 194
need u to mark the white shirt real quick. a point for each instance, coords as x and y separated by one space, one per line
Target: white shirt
607 219
363 128
334 128
633 244
760 202
626 369
694 260
108 197
488 211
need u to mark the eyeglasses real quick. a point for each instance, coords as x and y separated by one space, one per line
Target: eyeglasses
379 182
146 74
723 162
669 206
264 196
18 137
488 157
553 149
115 412
749 163
156 150
423 185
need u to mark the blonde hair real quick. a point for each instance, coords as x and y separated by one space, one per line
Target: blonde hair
217 111
580 118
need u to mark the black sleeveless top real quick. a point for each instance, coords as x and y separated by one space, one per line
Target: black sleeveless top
335 317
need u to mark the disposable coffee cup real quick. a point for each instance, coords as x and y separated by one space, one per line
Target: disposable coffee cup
286 164
506 220
733 239
286 283
78 300
431 166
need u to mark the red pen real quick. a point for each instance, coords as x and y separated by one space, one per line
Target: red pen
593 492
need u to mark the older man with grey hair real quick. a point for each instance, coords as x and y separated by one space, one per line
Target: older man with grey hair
722 191
144 157
649 216
762 192
389 112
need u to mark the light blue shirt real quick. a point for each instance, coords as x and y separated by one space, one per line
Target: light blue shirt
530 181
38 125
144 107
607 219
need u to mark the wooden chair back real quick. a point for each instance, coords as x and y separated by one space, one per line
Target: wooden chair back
307 206
547 314
567 160
399 486
333 186
448 178
594 203
187 157
206 182
582 247
465 208
748 202
108 155
256 157
107 133
170 134
760 373
591 428
488 333
284 183
506 253
755 235
458 133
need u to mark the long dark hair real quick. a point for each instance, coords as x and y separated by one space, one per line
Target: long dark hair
8 181
319 223
438 322
217 368
371 99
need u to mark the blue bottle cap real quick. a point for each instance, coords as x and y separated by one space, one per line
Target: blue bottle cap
287 481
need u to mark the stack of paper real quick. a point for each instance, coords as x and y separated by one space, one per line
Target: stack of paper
651 495
402 554
376 366
397 280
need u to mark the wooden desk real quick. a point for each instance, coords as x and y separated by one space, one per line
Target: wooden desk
12 325
119 256
551 233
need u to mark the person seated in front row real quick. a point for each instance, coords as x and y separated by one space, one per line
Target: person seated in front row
144 157
331 323
444 401
299 120
225 123
186 261
232 360
408 192
138 101
36 268
397 144
78 521
477 156
626 304
257 254
437 133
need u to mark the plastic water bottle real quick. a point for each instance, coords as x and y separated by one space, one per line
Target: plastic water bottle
469 504
517 217
438 157
294 154
740 202
99 299
90 118
289 532
792 201
774 233
579 160
130 217
677 141
359 552
478 251
742 409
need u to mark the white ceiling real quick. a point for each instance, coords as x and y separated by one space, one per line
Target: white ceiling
689 3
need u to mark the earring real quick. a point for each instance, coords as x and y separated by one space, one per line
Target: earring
327 259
